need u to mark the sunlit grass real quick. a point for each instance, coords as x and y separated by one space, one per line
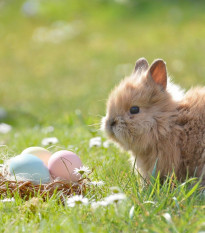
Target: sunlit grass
65 84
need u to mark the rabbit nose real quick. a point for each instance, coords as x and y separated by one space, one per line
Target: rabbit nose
112 122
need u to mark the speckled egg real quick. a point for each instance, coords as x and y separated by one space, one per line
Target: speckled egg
62 164
40 152
29 167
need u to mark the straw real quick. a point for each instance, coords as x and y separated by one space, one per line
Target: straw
26 189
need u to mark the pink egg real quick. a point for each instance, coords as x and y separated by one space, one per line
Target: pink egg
62 164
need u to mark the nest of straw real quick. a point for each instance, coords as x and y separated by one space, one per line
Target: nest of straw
27 190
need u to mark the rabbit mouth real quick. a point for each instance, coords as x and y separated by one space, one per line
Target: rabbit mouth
114 129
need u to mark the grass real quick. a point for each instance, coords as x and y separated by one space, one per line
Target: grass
65 84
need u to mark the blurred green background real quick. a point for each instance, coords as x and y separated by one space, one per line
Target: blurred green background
59 56
59 59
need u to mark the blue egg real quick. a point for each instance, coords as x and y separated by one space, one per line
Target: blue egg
29 167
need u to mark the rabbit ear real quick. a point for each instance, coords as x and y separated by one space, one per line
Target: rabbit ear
158 72
141 65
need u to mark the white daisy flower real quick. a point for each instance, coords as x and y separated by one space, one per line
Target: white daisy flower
8 200
77 200
97 141
97 183
115 198
5 128
95 205
49 141
82 170
115 189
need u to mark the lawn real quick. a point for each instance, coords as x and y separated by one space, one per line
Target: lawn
59 60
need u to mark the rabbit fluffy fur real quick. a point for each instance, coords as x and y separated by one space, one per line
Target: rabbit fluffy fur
162 128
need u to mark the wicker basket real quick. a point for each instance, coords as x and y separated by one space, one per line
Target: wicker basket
26 189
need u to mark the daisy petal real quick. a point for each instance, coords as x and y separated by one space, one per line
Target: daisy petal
49 141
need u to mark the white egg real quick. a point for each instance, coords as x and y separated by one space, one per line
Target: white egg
40 152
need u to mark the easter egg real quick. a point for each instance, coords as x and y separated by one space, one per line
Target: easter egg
29 167
40 152
62 164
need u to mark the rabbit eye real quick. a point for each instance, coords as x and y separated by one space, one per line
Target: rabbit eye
134 110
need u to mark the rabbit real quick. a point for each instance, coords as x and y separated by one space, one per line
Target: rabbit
145 118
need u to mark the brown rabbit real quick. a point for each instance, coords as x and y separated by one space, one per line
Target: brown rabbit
144 118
